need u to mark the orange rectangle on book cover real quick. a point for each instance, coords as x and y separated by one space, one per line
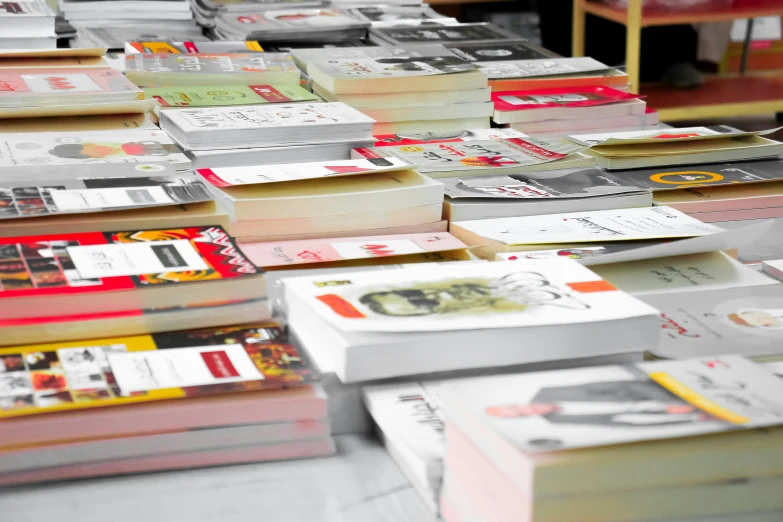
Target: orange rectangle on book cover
592 286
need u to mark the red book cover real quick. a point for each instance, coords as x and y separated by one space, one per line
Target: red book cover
99 262
559 97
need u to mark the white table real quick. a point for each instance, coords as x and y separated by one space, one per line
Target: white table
360 484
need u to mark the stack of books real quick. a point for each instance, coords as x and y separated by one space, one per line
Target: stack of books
206 11
122 12
401 15
148 403
114 37
326 199
27 25
579 444
268 134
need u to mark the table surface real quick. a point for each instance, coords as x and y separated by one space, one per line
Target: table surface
359 484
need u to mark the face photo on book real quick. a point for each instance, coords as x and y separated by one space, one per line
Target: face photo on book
515 292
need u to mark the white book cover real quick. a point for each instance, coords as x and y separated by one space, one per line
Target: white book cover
746 320
587 227
708 271
540 67
266 117
658 135
588 407
74 148
493 295
396 67
419 138
232 176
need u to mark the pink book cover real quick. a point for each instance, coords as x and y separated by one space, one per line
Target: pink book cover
287 253
63 82
198 459
562 97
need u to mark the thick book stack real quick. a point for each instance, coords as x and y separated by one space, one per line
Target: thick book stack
27 25
404 90
326 199
137 404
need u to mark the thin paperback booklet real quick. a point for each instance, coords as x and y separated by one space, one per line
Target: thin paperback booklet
43 197
285 24
461 33
567 183
394 15
647 137
65 86
590 407
475 155
481 53
167 47
304 56
394 67
588 227
290 253
44 149
119 371
558 98
233 176
492 295
540 68
228 95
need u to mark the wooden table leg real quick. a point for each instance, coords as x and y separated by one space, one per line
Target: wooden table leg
633 42
578 30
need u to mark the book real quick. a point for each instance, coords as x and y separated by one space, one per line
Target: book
462 33
408 100
31 198
23 88
443 311
422 126
569 190
667 179
531 452
615 78
682 134
695 272
235 176
647 120
115 37
387 140
563 230
445 112
106 122
24 151
743 320
28 19
398 74
291 24
481 53
564 104
341 196
136 370
171 217
173 70
393 15
192 47
304 56
213 96
334 250
604 252
280 155
52 53
55 274
773 267
75 327
482 157
273 125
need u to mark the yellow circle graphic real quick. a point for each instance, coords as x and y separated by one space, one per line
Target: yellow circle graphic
710 177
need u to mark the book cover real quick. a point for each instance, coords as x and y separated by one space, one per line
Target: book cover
589 407
396 15
296 19
276 116
541 67
745 320
16 87
208 96
163 47
304 56
447 34
233 176
42 197
289 253
394 67
209 63
658 135
131 370
567 183
82 148
12 11
101 262
702 176
553 98
419 138
500 52
587 227
492 295
473 155
116 36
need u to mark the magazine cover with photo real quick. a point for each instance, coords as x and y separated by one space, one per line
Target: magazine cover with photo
584 407
106 372
496 295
